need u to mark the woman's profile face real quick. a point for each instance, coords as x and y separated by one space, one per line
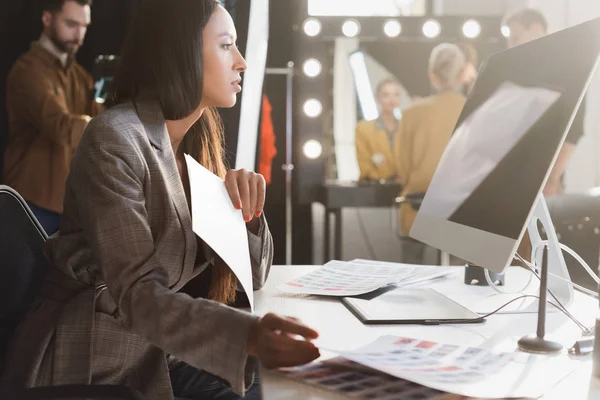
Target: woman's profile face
389 97
469 74
223 63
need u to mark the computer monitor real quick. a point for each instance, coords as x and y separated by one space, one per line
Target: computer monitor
507 138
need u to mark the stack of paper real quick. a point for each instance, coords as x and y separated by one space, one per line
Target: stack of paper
338 278
467 371
443 368
362 384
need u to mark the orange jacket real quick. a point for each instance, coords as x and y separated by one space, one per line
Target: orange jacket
268 151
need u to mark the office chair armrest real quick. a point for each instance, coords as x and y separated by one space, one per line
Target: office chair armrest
414 199
81 392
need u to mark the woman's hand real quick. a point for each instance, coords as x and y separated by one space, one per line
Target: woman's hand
272 339
247 191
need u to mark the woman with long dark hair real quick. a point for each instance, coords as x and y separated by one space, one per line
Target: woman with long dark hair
133 296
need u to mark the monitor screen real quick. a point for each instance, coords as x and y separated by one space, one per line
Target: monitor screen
515 120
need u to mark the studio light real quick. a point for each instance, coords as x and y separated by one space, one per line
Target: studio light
392 28
312 108
432 28
312 27
351 28
364 89
505 31
471 29
312 149
312 68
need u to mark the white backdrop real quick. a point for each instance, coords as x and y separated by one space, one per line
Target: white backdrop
252 85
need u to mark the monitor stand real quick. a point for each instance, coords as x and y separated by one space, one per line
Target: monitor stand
551 261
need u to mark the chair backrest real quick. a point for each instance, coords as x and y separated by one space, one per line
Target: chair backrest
22 262
576 218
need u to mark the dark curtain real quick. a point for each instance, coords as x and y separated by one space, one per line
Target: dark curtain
18 28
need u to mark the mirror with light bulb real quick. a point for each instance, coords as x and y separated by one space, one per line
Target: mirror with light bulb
390 75
381 52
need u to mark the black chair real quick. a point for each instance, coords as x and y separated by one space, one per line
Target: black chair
414 200
576 219
23 266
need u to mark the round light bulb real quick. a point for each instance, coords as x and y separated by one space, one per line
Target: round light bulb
505 31
312 68
471 29
351 28
312 149
432 28
312 27
392 28
312 108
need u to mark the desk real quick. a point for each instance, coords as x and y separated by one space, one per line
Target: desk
338 328
335 196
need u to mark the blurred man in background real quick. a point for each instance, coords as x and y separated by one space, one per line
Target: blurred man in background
527 25
49 104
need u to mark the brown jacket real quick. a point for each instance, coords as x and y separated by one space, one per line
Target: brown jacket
425 130
371 138
46 106
111 309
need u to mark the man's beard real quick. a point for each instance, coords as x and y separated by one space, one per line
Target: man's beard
63 45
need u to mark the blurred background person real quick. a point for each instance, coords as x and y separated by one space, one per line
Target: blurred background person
375 139
424 132
49 104
469 74
530 24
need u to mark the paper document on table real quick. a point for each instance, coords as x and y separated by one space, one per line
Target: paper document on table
338 278
362 383
418 273
219 224
467 371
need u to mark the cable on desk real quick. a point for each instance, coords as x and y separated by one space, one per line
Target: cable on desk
584 329
579 325
363 230
572 253
491 284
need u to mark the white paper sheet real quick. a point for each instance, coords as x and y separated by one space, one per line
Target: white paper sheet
219 224
467 371
418 273
338 278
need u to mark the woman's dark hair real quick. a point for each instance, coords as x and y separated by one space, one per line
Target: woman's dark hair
162 55
162 61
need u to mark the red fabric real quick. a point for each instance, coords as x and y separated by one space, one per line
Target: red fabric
268 151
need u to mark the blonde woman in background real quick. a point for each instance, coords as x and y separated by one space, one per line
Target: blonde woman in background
424 132
375 139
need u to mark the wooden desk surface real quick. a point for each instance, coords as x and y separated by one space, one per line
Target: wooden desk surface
338 328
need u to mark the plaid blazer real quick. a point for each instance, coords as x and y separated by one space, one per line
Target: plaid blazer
110 310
